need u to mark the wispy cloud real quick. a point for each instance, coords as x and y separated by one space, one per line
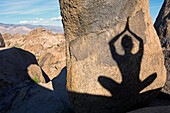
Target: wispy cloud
40 19
36 21
28 11
27 6
29 22
56 18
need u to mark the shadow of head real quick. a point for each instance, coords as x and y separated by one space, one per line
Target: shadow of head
127 43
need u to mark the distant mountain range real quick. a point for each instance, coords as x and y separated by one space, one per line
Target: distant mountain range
26 28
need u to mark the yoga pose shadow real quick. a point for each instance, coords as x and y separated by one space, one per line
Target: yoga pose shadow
129 65
127 95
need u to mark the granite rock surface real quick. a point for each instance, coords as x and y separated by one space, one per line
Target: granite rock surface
114 57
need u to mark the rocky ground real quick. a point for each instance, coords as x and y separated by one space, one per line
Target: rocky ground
29 73
48 48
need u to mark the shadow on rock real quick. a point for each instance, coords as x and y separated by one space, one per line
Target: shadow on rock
127 95
20 94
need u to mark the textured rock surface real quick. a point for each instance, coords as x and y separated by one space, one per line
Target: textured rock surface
162 26
18 92
162 109
96 78
166 88
13 68
2 43
48 48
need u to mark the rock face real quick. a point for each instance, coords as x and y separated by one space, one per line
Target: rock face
104 75
18 92
48 48
162 26
2 43
14 63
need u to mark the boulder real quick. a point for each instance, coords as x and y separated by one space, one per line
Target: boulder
14 63
21 94
162 26
39 30
2 43
7 35
114 58
166 88
35 73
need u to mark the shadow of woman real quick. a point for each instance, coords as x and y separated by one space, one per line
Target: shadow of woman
129 64
126 96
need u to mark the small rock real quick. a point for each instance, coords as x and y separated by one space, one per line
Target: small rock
2 43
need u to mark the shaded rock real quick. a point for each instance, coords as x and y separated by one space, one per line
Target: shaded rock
2 43
162 26
20 94
162 109
163 99
13 68
14 63
104 75
166 88
13 71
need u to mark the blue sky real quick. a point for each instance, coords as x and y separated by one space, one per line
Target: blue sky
154 7
44 12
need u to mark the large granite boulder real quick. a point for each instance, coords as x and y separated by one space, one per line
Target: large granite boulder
162 26
104 75
2 43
